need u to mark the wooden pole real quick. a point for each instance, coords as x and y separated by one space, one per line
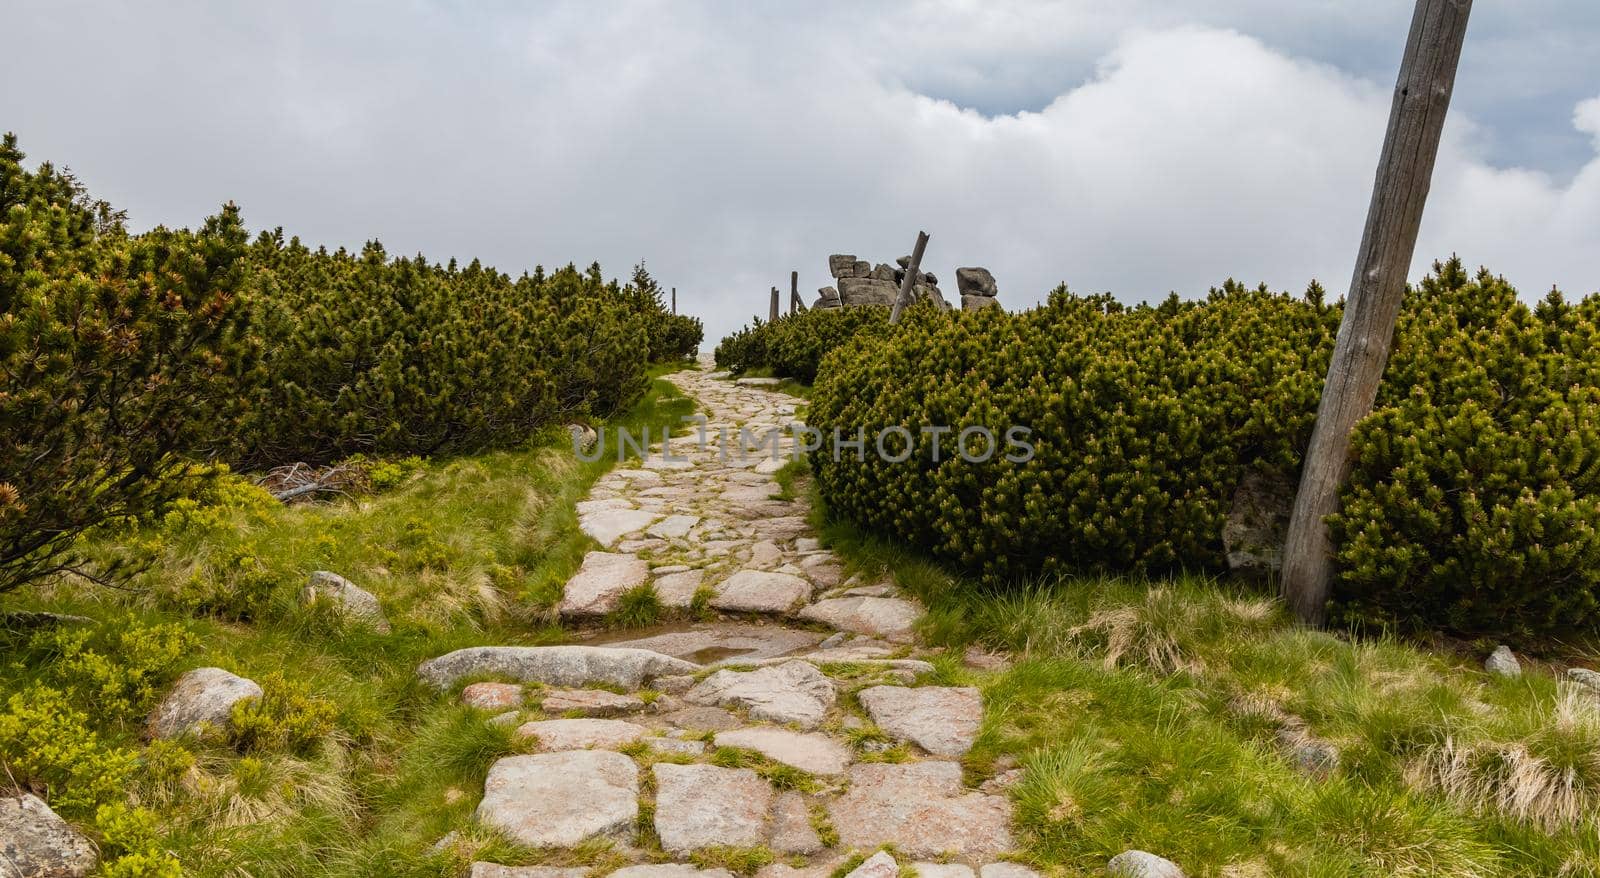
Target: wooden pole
794 291
909 282
772 317
674 300
1421 98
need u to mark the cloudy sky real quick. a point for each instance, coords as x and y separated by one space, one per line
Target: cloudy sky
1139 147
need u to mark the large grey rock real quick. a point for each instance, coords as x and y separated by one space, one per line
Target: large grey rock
35 843
350 600
862 268
890 618
884 271
792 831
793 692
702 806
553 665
560 799
978 303
599 584
867 291
1257 524
1503 663
976 282
495 870
941 720
842 265
923 810
827 297
582 733
761 591
201 697
809 752
1140 864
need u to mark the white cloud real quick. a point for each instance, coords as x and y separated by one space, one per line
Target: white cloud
730 144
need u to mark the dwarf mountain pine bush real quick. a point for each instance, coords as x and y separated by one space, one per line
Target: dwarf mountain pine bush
1474 500
793 346
125 359
119 354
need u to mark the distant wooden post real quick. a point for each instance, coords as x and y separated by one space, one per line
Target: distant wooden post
773 316
913 271
1421 98
794 291
674 300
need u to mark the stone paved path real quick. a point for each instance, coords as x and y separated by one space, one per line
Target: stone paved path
794 720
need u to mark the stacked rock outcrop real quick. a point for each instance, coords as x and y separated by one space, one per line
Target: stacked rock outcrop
977 288
859 282
862 283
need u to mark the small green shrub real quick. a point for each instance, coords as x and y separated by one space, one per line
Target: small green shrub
118 671
47 745
131 844
287 718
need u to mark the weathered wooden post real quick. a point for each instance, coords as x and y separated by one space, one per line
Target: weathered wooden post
909 282
772 317
794 291
1421 98
674 300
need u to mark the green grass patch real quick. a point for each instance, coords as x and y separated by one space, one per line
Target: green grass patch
350 766
1147 713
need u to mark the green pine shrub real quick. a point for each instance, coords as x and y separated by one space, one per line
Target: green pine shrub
133 364
793 346
1474 498
1142 419
121 355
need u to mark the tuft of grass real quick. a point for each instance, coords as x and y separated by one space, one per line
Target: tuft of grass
738 860
636 608
781 776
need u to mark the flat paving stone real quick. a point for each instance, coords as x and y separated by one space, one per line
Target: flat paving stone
492 696
710 643
761 591
792 829
793 692
609 525
589 702
561 799
941 720
808 751
703 806
890 618
922 809
598 586
582 734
